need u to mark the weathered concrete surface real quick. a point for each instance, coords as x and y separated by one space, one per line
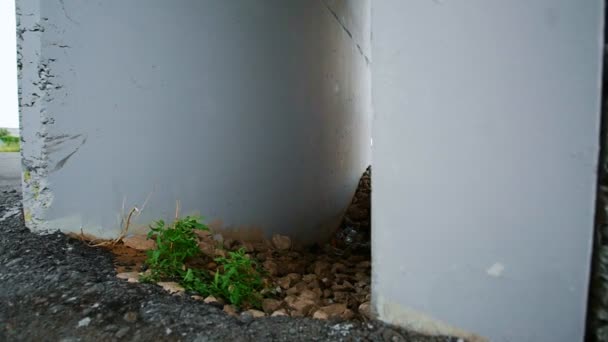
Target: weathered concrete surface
255 114
485 155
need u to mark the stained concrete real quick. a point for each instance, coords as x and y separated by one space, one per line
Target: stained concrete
255 114
485 156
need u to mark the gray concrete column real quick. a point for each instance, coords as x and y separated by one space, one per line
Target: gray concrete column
255 114
485 158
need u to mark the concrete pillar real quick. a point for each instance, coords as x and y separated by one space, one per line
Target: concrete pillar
485 158
255 114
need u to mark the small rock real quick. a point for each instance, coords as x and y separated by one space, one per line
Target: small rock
309 277
345 286
337 311
270 305
290 299
362 277
203 234
338 268
131 277
280 312
301 307
228 243
110 328
230 310
84 322
288 280
340 296
365 309
271 267
284 282
197 297
320 314
13 262
130 316
295 266
315 284
297 288
255 313
219 252
207 248
327 293
309 294
281 242
347 314
214 301
139 242
321 268
295 277
122 332
171 286
361 284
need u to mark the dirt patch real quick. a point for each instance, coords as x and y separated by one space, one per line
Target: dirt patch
300 283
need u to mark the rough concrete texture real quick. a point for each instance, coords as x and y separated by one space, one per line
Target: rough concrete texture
485 156
255 114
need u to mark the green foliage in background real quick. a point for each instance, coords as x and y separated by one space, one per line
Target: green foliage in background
10 143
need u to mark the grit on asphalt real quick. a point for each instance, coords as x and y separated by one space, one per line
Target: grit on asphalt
56 288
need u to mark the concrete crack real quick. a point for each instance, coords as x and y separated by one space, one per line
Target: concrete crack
66 13
346 30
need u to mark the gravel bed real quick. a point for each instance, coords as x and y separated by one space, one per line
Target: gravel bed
55 288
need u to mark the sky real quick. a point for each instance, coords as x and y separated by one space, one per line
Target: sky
9 114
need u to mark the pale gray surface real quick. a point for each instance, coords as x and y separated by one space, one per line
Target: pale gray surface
10 169
256 113
485 156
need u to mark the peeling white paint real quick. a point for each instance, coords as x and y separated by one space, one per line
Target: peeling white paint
495 270
393 313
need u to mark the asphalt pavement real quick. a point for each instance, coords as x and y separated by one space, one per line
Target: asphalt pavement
10 169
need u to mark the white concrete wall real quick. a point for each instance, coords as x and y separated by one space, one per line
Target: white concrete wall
255 114
9 114
485 156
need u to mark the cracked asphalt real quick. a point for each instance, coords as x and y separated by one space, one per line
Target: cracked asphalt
55 288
